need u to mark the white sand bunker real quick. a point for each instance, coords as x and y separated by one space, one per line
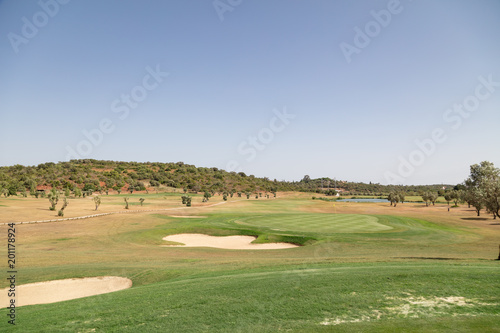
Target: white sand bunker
63 290
189 216
226 242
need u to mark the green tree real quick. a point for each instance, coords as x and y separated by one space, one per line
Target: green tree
426 197
455 196
53 197
65 204
477 200
402 196
485 180
330 192
32 186
97 201
155 184
448 197
14 186
77 192
394 198
186 200
90 186
433 197
119 185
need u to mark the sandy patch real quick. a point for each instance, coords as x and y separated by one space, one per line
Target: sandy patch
189 216
226 242
63 290
413 307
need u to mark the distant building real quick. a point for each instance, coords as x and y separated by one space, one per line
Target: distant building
43 188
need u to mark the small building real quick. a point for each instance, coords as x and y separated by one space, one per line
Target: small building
43 188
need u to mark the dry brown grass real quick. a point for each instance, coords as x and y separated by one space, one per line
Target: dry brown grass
108 240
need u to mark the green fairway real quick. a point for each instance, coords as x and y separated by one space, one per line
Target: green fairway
337 297
363 272
318 223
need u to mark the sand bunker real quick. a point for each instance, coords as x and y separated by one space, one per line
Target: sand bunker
63 290
189 216
226 242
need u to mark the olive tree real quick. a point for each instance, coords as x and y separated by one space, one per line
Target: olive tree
483 186
65 204
53 197
97 201
448 197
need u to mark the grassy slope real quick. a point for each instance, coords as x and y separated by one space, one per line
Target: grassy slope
339 276
312 298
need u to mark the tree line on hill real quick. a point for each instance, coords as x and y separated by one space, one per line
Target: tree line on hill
480 190
328 185
87 176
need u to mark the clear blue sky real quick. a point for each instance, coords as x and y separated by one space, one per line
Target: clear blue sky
359 100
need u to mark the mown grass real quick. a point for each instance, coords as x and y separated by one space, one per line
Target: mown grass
318 223
334 297
361 279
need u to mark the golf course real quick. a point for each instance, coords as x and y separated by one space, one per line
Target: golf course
362 267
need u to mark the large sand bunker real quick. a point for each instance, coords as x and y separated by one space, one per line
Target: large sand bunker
189 216
226 242
63 290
